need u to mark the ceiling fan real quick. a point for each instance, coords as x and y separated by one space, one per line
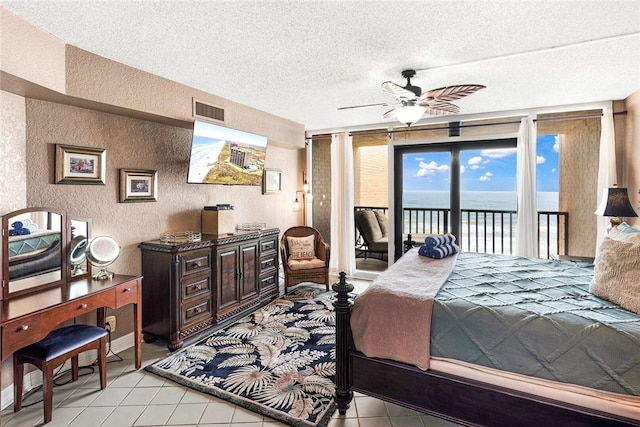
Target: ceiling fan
414 103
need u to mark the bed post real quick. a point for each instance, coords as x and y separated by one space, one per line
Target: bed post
343 306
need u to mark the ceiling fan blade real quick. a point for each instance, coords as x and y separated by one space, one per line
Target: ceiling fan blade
391 114
444 107
398 92
380 104
450 93
437 112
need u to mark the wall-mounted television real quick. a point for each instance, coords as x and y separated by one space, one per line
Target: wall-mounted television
221 155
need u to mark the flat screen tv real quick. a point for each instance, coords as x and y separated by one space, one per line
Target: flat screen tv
220 155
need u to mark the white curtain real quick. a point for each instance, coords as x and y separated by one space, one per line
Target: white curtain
527 225
342 221
607 170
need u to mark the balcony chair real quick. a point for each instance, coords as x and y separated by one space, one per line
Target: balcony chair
372 226
305 257
47 354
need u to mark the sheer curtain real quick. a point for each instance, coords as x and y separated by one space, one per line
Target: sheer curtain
342 221
607 169
527 225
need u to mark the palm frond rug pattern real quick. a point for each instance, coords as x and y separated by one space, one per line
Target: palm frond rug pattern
278 361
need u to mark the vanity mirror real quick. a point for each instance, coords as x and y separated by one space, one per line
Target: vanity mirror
79 232
101 252
34 246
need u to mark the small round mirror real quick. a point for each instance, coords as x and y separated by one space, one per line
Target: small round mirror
101 252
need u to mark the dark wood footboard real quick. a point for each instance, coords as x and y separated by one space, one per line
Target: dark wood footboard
443 395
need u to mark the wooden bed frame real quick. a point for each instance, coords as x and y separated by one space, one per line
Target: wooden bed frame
446 396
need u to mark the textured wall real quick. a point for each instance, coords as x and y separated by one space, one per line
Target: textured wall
631 154
132 143
30 53
13 168
579 146
322 186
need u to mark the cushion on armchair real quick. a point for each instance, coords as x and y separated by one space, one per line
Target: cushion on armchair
301 248
369 226
383 222
305 264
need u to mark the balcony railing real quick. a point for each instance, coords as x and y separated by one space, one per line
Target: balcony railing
487 231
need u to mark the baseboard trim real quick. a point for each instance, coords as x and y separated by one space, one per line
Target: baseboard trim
34 378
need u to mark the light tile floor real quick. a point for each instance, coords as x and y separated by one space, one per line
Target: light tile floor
139 398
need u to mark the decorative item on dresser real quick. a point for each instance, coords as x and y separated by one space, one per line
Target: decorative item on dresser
194 286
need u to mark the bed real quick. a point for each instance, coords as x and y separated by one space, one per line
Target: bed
33 254
493 386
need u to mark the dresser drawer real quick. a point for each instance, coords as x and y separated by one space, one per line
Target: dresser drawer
196 262
127 293
268 261
20 333
268 244
196 311
267 281
196 286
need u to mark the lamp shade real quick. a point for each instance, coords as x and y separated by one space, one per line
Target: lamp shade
409 114
615 202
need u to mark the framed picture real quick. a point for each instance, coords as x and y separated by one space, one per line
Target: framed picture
271 181
80 165
138 185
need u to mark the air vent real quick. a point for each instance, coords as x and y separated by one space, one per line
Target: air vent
207 111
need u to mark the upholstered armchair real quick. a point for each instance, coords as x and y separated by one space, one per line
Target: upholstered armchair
305 257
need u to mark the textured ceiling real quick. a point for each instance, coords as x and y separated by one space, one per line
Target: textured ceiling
303 59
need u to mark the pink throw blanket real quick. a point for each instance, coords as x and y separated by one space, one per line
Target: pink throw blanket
391 319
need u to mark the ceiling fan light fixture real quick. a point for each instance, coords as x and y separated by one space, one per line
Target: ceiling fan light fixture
409 114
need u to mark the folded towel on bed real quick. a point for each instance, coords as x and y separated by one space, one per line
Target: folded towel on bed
438 240
23 227
438 252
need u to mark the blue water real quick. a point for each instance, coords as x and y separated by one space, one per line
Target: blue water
487 200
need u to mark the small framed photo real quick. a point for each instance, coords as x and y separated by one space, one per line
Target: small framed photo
271 181
80 165
138 185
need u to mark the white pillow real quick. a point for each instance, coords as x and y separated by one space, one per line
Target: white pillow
616 275
302 247
624 233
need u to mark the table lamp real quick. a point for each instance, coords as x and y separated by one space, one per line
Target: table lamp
615 204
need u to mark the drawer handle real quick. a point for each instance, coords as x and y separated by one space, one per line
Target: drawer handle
197 287
24 327
127 290
197 310
83 305
195 264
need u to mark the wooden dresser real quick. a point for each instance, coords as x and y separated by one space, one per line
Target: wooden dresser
195 286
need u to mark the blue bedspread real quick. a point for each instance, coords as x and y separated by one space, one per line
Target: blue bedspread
536 317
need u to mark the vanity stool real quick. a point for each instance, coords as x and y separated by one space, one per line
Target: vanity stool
53 350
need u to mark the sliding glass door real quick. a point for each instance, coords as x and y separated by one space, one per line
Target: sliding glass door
465 188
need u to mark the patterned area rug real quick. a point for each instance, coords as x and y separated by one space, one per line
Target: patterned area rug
278 361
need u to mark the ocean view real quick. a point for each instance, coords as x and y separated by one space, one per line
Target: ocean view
478 232
487 200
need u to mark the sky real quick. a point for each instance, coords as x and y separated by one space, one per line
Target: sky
482 170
